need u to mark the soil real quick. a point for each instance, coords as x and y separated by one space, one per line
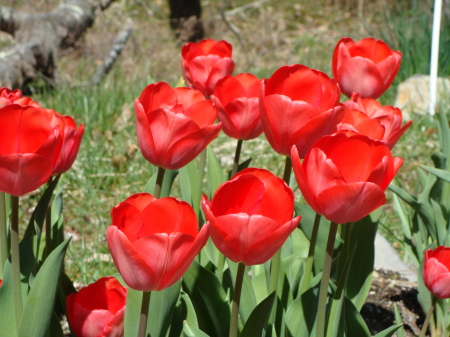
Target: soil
389 289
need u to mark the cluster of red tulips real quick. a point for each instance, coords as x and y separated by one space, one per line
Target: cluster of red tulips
340 154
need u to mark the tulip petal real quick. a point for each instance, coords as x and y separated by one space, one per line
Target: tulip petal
241 118
362 76
282 118
131 265
350 202
302 181
440 285
157 96
168 215
221 68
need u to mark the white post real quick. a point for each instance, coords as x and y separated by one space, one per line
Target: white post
435 54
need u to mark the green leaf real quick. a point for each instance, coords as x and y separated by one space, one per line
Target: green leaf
215 174
362 241
184 311
442 174
7 317
209 300
39 304
190 330
55 329
162 305
241 166
132 312
399 321
389 331
353 321
190 185
301 314
259 317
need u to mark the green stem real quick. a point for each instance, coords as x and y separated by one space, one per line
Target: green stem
3 234
287 170
159 182
144 313
427 319
236 300
15 259
323 293
307 276
48 225
197 195
237 154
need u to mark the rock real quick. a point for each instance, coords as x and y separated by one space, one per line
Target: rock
413 95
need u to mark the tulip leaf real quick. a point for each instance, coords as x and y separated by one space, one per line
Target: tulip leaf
259 317
216 176
55 329
39 304
184 311
132 312
162 306
241 166
190 330
301 314
399 321
209 300
7 317
442 174
389 331
259 282
38 217
190 185
362 243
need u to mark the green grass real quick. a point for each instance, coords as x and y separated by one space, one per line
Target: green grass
110 167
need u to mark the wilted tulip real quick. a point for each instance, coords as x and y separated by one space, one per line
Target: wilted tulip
30 143
367 66
237 99
206 62
298 106
436 271
98 310
368 117
154 241
251 216
174 125
344 178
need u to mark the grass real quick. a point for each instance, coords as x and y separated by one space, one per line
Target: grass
110 167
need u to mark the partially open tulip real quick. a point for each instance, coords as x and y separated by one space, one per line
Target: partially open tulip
368 117
8 96
154 241
344 178
367 66
298 106
237 99
30 143
98 310
71 144
174 125
251 216
436 271
206 62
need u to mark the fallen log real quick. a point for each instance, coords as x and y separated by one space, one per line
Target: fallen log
39 36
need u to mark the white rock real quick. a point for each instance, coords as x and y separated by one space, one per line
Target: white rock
413 95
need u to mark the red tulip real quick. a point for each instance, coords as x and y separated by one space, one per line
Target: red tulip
298 106
344 178
436 271
30 143
154 241
8 96
205 63
98 310
368 117
251 216
367 66
237 99
174 125
71 145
